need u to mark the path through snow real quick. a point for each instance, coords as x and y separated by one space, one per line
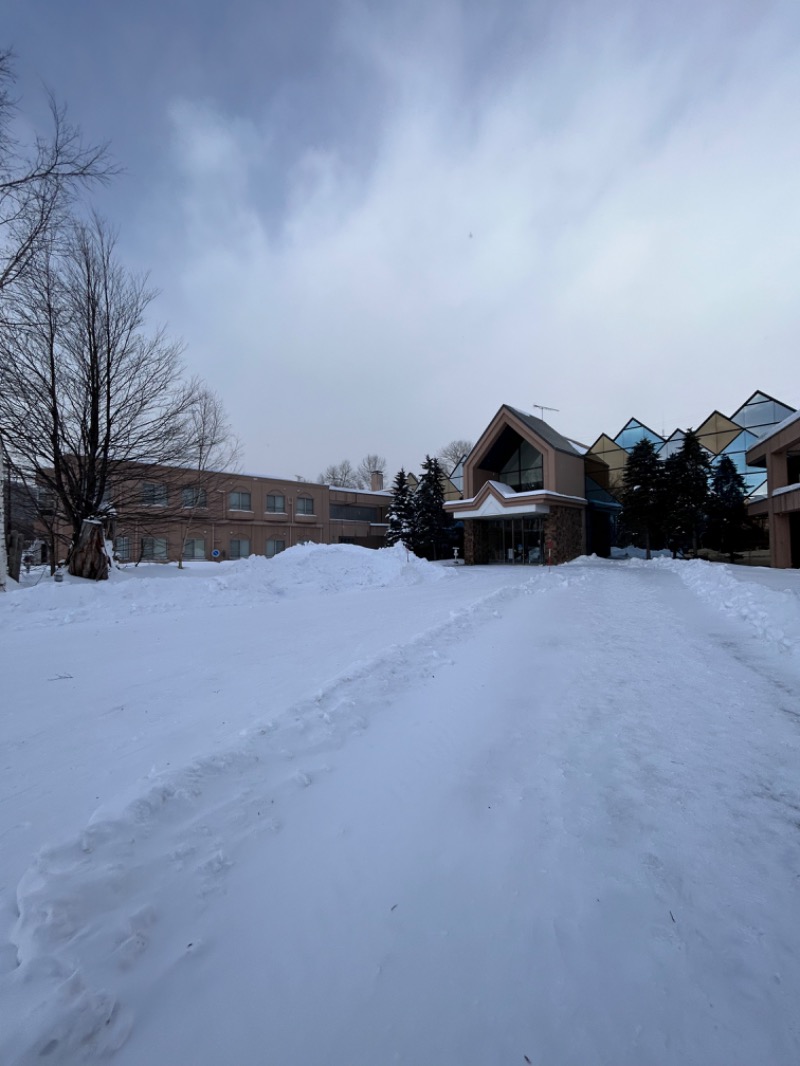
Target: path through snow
560 820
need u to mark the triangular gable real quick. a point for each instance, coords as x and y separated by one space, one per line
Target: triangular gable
604 443
528 427
633 431
717 432
757 398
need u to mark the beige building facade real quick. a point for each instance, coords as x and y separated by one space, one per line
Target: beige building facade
524 496
778 453
232 516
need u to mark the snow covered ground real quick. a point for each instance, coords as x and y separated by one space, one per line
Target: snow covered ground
350 808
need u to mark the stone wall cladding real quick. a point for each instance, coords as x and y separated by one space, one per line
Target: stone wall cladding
475 543
563 534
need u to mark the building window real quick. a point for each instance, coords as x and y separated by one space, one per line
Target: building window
46 501
353 513
240 501
240 547
274 547
122 549
154 494
523 471
194 548
276 504
154 548
305 505
193 496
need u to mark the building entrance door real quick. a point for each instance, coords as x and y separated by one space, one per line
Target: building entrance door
516 540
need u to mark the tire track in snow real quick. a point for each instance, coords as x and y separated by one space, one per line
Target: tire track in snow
93 896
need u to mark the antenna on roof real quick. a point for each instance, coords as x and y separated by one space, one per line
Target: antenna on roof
542 408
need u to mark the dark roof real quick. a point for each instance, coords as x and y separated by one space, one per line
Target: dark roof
543 430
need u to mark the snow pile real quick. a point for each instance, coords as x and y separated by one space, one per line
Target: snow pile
773 614
631 552
307 569
329 568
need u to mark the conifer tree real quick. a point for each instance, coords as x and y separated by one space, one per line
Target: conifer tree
727 510
400 513
431 521
642 493
687 491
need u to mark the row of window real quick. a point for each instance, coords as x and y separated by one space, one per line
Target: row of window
275 504
239 548
156 548
154 494
354 512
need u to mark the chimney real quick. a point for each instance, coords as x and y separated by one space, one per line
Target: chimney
376 480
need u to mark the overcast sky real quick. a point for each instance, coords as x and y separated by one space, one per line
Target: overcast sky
373 223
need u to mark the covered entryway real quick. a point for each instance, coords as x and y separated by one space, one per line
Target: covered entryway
515 540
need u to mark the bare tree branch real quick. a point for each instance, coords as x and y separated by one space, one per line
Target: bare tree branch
369 465
91 405
39 181
452 453
342 475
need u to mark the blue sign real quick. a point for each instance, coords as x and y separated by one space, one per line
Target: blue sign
215 554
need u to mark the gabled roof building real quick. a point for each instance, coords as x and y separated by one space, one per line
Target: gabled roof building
531 495
524 493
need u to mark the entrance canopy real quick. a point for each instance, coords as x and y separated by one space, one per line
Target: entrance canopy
494 499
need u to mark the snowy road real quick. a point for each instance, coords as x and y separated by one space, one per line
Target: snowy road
466 821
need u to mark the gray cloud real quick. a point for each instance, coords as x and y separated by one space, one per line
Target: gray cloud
422 213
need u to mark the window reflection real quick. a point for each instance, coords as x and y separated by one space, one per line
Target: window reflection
524 470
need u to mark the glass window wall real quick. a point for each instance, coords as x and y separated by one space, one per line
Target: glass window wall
633 432
516 540
524 470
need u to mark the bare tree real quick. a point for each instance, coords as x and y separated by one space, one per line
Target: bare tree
212 448
452 453
342 475
39 181
369 465
3 552
37 184
90 403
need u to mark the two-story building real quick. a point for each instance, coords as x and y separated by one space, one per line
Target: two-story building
167 513
524 494
777 452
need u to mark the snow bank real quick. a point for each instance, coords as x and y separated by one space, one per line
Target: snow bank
329 568
631 552
302 570
774 615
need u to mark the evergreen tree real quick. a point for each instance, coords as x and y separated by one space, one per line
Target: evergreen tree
642 493
400 513
431 521
727 510
687 474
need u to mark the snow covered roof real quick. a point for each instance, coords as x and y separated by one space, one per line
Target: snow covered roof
509 493
361 492
488 502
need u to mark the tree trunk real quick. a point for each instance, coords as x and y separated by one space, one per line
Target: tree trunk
88 558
